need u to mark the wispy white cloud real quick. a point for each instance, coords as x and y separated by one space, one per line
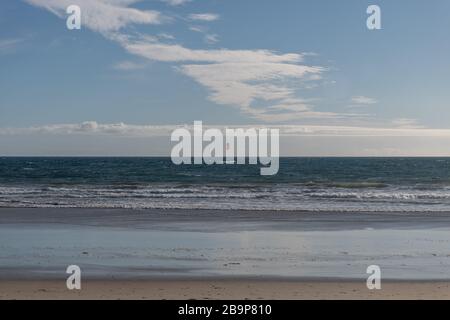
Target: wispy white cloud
198 29
176 53
99 139
406 123
166 36
176 2
122 129
240 78
103 15
9 45
211 38
363 100
129 66
241 83
208 17
90 128
234 77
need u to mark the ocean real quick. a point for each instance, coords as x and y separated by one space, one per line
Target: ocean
302 184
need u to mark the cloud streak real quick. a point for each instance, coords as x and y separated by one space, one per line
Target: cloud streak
132 130
9 45
239 78
128 66
406 123
362 100
176 3
103 16
207 17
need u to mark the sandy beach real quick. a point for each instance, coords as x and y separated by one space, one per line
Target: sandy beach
209 254
223 290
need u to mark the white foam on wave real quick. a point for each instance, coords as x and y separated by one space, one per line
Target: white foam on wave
251 197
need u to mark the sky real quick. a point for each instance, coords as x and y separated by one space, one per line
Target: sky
138 69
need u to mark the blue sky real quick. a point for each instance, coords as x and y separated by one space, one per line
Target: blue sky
252 62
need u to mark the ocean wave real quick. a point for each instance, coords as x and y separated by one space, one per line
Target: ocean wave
223 197
347 185
394 195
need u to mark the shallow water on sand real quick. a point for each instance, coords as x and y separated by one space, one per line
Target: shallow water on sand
38 245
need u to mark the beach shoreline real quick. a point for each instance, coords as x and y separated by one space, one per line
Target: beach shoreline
188 254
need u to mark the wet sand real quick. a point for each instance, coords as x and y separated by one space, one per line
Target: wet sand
182 254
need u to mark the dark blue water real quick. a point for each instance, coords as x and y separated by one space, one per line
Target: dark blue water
338 184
